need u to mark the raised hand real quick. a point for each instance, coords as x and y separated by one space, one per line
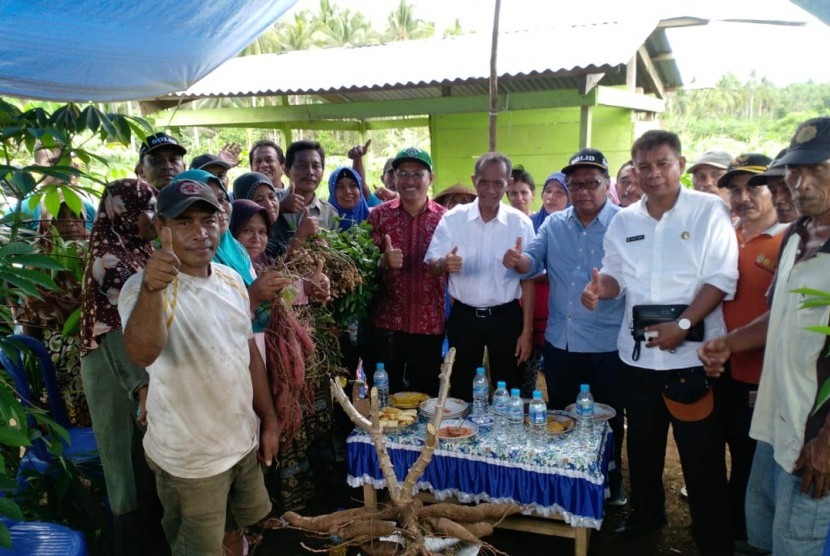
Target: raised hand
163 265
230 153
358 151
590 295
453 261
318 285
266 286
513 255
308 225
392 257
292 202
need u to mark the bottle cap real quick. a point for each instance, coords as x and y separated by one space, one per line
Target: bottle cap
584 388
537 394
379 366
514 392
480 371
501 384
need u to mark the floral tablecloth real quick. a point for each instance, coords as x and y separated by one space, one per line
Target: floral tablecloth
563 475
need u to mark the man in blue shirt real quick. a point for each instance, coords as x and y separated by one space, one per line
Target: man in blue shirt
580 345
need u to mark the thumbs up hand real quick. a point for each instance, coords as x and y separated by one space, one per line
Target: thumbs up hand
513 257
163 265
453 261
318 286
590 295
308 226
392 257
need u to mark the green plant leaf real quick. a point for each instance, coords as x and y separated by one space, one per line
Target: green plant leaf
22 182
820 329
822 396
73 324
12 436
52 201
91 117
38 261
5 536
9 508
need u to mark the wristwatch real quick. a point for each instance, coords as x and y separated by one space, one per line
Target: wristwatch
684 323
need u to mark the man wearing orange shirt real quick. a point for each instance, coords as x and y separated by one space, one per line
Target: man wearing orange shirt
759 241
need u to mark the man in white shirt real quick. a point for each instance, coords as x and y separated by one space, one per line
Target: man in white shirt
468 244
188 321
675 248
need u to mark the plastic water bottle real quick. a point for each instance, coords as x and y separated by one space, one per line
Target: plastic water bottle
515 417
381 381
500 398
537 412
585 402
481 393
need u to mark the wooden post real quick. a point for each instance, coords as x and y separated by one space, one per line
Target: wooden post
494 78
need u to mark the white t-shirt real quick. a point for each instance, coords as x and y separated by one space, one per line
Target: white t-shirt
667 262
789 380
200 412
483 281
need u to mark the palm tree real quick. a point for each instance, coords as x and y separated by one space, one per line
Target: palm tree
402 25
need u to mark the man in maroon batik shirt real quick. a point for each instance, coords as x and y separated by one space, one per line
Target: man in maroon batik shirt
406 323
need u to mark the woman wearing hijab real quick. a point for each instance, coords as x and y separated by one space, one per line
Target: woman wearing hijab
114 386
555 197
346 195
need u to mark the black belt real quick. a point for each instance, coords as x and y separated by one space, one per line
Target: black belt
485 312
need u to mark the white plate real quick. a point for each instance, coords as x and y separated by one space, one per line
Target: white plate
453 407
602 412
453 430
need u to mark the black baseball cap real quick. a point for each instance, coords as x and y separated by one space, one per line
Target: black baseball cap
159 141
810 144
586 157
179 195
204 160
774 170
749 163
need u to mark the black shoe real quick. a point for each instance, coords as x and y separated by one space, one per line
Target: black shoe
743 547
633 528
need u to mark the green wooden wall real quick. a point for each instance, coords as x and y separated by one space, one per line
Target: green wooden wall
541 140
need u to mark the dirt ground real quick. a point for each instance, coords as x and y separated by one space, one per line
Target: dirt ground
673 539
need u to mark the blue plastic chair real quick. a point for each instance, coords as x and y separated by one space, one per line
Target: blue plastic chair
82 448
33 538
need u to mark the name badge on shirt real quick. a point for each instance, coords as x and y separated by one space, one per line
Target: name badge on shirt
634 238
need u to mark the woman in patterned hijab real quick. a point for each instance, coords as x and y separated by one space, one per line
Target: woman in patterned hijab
118 248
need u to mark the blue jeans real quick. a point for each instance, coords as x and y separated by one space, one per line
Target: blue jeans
778 516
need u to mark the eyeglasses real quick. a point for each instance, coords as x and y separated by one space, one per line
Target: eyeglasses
589 185
419 175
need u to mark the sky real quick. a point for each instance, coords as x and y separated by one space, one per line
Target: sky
782 54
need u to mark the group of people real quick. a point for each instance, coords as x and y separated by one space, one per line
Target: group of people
662 298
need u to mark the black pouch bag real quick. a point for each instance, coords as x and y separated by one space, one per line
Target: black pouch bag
646 315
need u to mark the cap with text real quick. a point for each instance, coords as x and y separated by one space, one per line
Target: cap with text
774 170
159 141
591 158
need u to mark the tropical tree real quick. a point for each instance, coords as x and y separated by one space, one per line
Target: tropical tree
402 25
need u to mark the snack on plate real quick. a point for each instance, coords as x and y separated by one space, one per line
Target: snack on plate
395 418
556 427
407 400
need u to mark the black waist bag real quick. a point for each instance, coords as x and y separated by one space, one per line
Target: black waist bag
646 315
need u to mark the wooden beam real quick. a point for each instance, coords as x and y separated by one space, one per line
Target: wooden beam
586 121
295 114
612 96
631 73
588 81
650 74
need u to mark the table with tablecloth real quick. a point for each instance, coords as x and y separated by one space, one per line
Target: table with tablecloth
563 476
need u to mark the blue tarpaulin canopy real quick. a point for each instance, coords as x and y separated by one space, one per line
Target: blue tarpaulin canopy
94 50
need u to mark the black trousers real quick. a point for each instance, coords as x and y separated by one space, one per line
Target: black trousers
702 457
566 370
736 418
469 333
412 361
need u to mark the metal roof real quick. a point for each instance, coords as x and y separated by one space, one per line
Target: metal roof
460 66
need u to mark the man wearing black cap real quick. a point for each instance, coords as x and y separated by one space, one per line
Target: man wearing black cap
759 236
160 157
675 257
580 345
782 197
213 164
787 502
207 407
